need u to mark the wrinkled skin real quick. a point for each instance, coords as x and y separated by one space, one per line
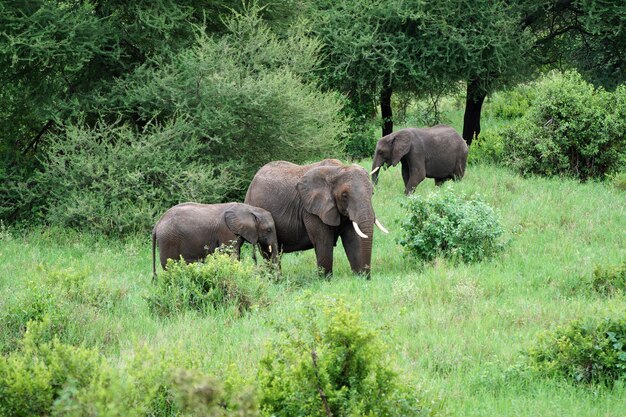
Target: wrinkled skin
313 205
437 152
194 230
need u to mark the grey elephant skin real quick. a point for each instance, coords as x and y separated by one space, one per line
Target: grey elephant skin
194 230
437 152
313 205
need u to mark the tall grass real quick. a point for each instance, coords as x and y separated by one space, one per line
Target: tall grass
459 330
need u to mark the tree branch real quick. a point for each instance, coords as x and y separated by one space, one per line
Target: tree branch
36 139
319 385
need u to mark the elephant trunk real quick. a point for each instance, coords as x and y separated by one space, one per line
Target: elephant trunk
365 222
273 250
376 165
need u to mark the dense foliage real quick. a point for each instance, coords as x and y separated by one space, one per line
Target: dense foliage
591 351
328 362
193 123
447 224
220 282
571 129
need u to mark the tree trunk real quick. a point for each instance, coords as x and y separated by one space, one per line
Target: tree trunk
473 106
385 109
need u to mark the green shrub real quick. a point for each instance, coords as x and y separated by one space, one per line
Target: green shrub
511 104
449 225
588 351
329 361
487 148
572 129
40 373
609 280
219 282
113 181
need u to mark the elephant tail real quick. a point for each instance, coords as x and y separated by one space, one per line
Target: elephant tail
154 254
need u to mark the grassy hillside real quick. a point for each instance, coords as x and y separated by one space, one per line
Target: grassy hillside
458 330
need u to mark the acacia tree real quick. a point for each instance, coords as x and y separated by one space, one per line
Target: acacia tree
373 48
59 60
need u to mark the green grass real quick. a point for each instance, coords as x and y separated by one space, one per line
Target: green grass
458 330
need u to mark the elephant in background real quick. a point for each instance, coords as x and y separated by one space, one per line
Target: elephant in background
313 205
437 152
194 230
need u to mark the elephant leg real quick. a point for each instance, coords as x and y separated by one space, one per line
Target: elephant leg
237 248
322 238
352 245
417 175
405 174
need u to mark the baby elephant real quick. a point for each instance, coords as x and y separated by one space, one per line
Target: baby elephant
194 230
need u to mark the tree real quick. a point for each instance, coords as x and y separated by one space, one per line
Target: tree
373 48
118 110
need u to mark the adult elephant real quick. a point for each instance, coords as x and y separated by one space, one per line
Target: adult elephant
433 152
194 230
313 205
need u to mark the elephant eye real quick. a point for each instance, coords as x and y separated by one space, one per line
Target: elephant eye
344 194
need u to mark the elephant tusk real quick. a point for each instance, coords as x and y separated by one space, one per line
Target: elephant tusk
374 170
270 248
381 227
358 231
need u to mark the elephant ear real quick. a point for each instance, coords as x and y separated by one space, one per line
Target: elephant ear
400 147
316 194
242 223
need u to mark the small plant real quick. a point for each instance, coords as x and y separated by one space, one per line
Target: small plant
609 280
329 362
618 180
5 233
587 351
218 282
448 225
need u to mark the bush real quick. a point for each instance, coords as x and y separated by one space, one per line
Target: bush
572 129
511 104
609 280
110 180
41 373
587 351
54 301
329 361
220 282
487 148
446 224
